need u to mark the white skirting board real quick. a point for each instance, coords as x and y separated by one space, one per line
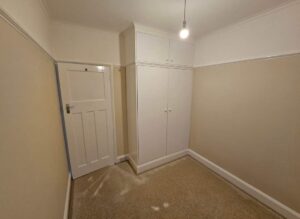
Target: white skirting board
132 163
160 161
251 190
67 201
154 163
121 158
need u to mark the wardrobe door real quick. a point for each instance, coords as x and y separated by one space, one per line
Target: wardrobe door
152 115
179 109
181 53
151 48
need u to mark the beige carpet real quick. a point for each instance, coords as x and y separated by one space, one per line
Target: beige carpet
181 189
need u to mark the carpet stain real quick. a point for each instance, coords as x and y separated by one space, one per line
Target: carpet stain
166 205
155 208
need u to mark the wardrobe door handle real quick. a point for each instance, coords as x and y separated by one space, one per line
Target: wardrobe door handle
168 110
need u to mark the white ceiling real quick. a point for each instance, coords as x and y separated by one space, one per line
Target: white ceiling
115 15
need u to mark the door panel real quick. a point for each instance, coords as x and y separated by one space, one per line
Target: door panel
152 49
90 137
88 123
82 86
152 118
102 133
79 139
179 109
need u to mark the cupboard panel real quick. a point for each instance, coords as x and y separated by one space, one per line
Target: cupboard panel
181 53
179 107
152 49
131 92
152 115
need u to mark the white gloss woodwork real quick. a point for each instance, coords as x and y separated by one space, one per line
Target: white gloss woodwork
160 98
179 109
159 91
142 45
151 48
162 50
88 124
131 94
152 104
181 53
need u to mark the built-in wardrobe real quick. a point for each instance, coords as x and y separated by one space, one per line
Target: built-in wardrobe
159 91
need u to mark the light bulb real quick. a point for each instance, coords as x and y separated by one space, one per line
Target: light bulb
100 68
184 33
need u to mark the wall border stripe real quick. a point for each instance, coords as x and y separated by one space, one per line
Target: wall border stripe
12 22
249 59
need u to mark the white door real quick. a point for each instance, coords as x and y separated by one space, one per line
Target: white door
179 109
86 98
152 113
152 49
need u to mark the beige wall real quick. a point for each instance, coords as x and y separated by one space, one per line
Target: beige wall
246 119
33 165
120 109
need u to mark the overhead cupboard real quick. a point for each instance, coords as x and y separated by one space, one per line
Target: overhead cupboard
162 50
159 91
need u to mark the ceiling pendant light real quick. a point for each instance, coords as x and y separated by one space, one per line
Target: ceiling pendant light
184 32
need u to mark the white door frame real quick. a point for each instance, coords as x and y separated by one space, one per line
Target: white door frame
111 77
112 86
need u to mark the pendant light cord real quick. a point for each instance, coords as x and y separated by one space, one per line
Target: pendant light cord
184 20
184 10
